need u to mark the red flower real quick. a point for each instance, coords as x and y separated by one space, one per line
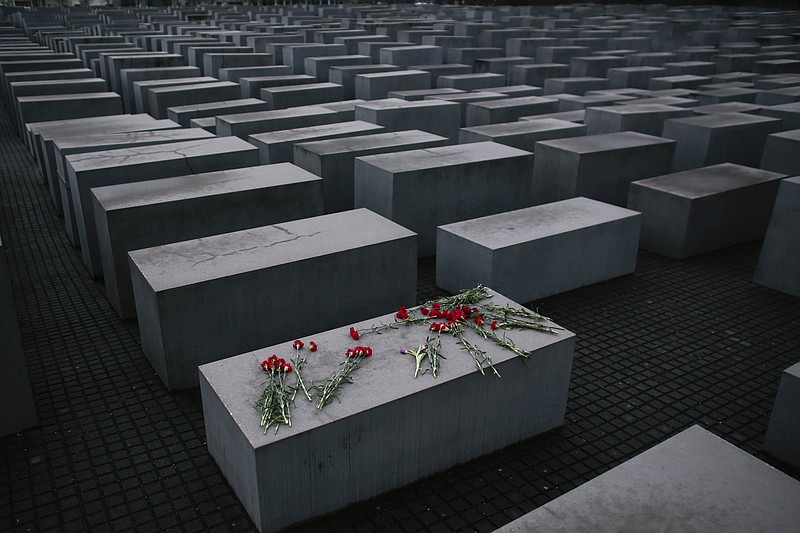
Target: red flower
266 365
479 320
494 324
436 305
286 367
402 314
280 362
364 351
424 310
436 314
354 333
297 345
312 346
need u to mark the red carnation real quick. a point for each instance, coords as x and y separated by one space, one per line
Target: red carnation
479 320
297 344
354 333
286 367
424 310
402 314
312 346
265 365
437 305
494 324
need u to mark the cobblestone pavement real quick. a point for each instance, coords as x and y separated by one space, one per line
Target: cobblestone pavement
677 343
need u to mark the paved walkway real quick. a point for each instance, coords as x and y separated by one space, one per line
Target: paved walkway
676 344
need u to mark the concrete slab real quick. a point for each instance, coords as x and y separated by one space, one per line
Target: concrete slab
779 262
523 134
202 300
434 116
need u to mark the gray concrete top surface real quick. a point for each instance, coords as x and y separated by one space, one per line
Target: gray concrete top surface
606 141
370 142
637 108
191 87
383 378
443 156
165 190
694 482
792 135
55 127
69 144
511 102
275 113
398 103
110 159
794 370
523 126
707 181
719 120
67 97
502 230
313 132
208 258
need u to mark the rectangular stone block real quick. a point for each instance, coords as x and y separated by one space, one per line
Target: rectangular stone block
390 185
376 85
126 165
437 117
161 98
214 62
295 55
202 300
726 138
697 211
600 167
117 63
662 486
334 160
464 99
251 86
471 82
373 48
380 414
131 75
67 106
320 66
405 56
141 89
536 74
779 262
508 109
575 85
193 206
783 434
346 75
788 113
781 153
278 146
304 94
644 118
524 134
539 251
245 124
184 114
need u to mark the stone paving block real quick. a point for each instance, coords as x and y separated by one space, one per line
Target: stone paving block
778 267
376 85
783 434
334 160
125 165
662 485
600 167
725 138
508 109
389 184
696 211
539 251
523 134
193 206
278 146
643 118
434 116
377 457
190 316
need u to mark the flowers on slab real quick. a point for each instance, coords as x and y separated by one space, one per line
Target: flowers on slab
274 404
330 389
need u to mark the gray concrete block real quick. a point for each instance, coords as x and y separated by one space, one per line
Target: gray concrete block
131 75
539 251
471 82
643 118
334 160
304 94
379 415
523 134
697 211
421 94
126 165
162 98
189 316
251 86
466 98
376 85
16 394
600 167
319 67
141 89
536 74
295 55
68 106
788 113
677 482
434 116
278 146
346 75
405 56
193 206
214 62
389 184
726 138
781 153
575 85
783 434
184 114
779 262
508 109
245 124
